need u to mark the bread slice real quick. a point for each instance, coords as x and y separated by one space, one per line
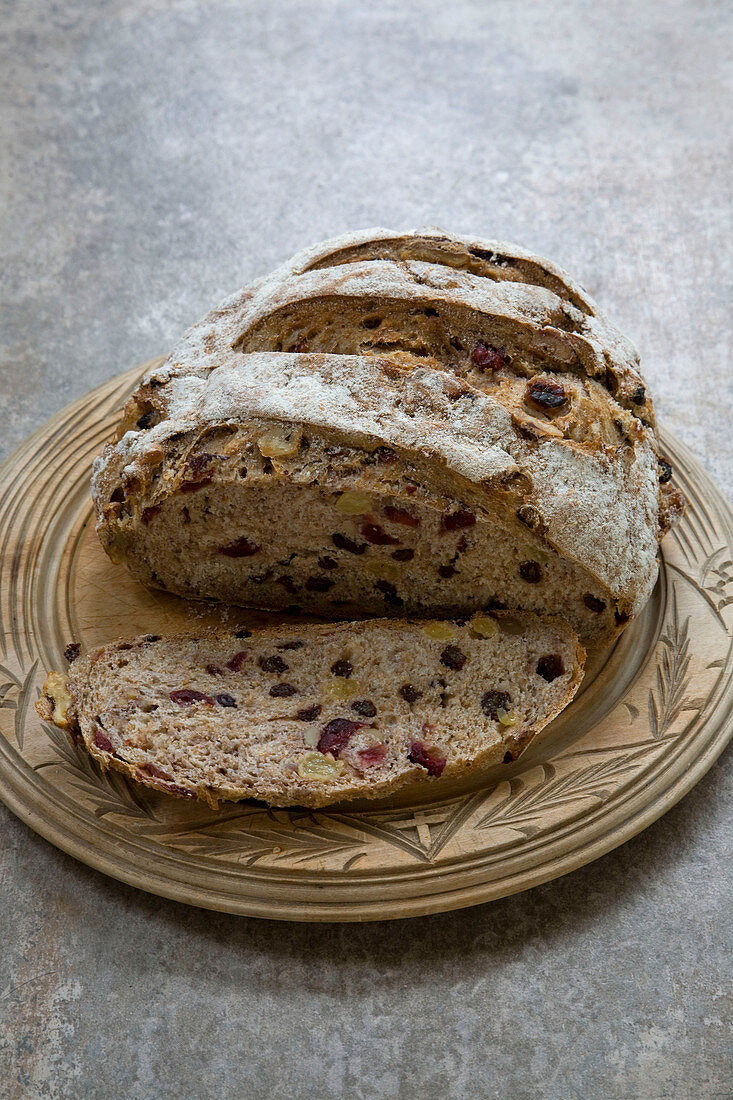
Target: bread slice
315 714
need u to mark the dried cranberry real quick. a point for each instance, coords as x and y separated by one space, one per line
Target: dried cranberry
410 694
530 571
185 696
319 584
639 396
156 772
345 543
593 603
273 664
225 700
665 471
327 563
282 691
492 700
290 645
149 513
375 754
389 592
403 555
342 667
307 714
456 520
372 532
364 707
487 357
72 651
235 663
426 758
447 571
546 394
386 456
401 515
242 548
102 742
453 657
336 735
214 670
550 667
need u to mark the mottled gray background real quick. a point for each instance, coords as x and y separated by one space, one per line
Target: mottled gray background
156 154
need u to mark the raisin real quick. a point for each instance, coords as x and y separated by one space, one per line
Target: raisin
336 735
462 545
456 520
401 515
307 714
403 555
345 543
282 691
486 357
389 592
593 603
410 694
364 707
550 667
72 651
102 742
235 663
198 463
150 638
185 696
453 657
290 645
319 584
492 700
530 571
243 634
149 513
327 563
214 670
242 548
447 571
342 667
508 758
665 471
639 396
375 754
146 420
225 700
372 532
273 664
429 312
426 758
386 456
546 394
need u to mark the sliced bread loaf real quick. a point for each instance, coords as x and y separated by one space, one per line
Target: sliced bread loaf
310 715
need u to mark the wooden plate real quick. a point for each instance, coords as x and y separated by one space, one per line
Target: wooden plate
652 716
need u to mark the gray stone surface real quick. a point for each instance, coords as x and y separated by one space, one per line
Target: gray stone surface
154 155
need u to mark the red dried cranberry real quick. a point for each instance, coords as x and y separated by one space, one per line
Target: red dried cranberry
410 694
593 603
186 696
550 667
235 663
72 651
214 670
290 645
242 548
530 571
375 754
453 657
401 515
308 714
327 563
319 584
546 394
282 691
426 758
403 555
342 667
456 520
364 707
226 700
665 471
158 773
273 664
447 571
345 543
372 532
492 700
386 456
102 742
389 592
336 735
149 513
487 357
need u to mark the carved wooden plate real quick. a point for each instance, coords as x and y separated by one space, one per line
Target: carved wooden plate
652 716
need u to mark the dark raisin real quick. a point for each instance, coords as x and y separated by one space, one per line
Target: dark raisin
149 514
336 735
386 456
273 664
307 714
214 670
486 357
282 691
389 592
372 532
410 693
508 758
225 700
150 638
364 707
546 394
462 545
345 543
447 571
290 645
530 571
492 700
235 663
185 696
342 667
665 471
198 463
146 420
639 396
426 758
550 667
456 520
401 515
403 555
453 657
319 584
593 603
429 312
72 651
327 563
102 742
242 548
243 634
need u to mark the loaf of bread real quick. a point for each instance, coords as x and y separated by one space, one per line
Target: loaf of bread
315 714
396 424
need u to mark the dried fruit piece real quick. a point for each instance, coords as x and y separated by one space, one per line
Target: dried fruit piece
401 515
453 657
226 700
375 754
427 758
319 584
665 471
340 689
102 742
455 521
364 707
440 632
493 701
342 667
279 442
214 670
336 735
297 644
546 394
639 396
354 503
186 696
235 663
593 603
483 626
506 717
282 691
389 592
343 542
72 651
273 664
327 562
376 534
308 714
242 548
447 571
550 667
410 693
487 357
530 571
403 555
312 765
386 456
